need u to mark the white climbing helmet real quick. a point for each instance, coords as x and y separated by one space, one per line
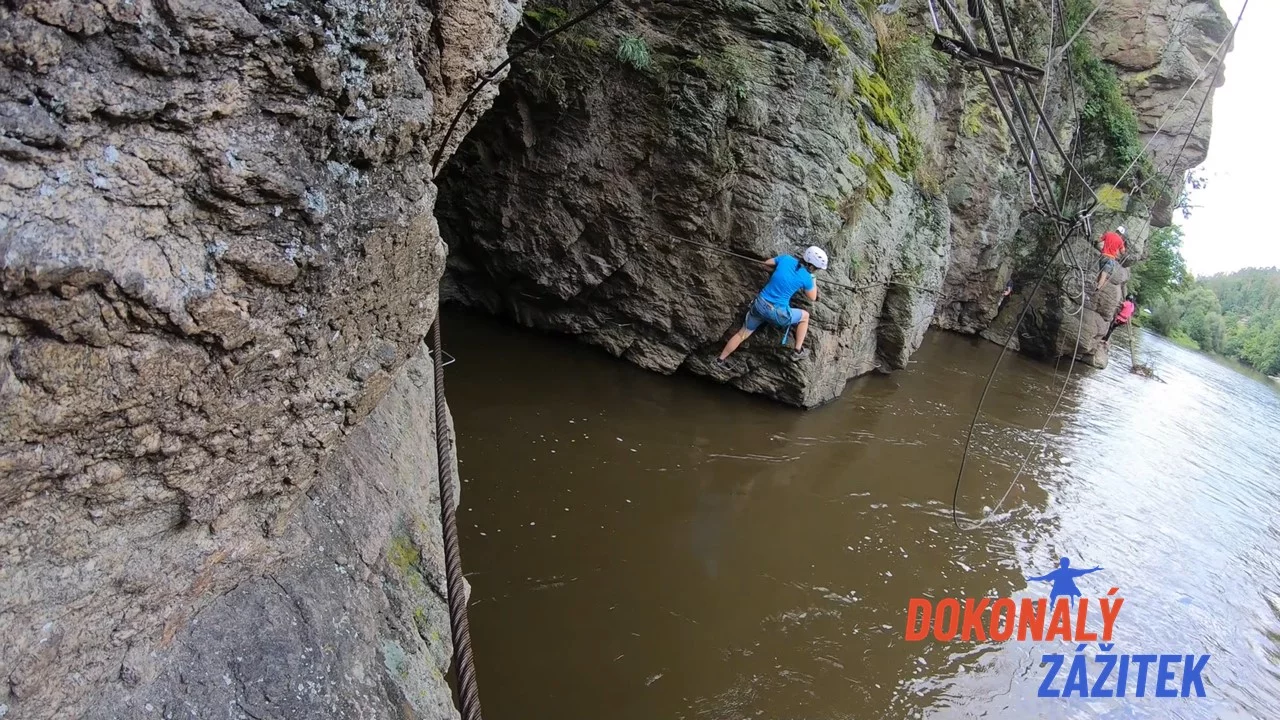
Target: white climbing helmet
816 257
1121 230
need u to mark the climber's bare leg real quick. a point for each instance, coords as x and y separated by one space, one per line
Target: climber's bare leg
737 339
802 329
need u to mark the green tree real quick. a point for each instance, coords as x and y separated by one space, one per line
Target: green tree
1236 314
1164 316
1196 307
1163 269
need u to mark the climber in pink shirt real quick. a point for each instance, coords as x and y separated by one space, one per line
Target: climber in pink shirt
1122 316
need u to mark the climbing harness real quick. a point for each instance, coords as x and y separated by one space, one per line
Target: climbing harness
777 315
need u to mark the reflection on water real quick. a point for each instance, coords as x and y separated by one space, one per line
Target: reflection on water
651 547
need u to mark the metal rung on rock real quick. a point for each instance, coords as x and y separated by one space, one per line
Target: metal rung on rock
449 358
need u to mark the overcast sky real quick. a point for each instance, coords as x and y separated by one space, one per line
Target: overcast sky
1234 223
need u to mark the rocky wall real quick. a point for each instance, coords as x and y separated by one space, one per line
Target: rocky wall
615 156
217 258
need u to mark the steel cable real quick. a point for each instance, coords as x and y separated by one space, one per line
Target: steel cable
468 689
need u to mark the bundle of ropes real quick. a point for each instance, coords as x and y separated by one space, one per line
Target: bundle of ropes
1014 113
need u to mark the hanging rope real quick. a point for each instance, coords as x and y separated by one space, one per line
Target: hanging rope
1042 195
463 656
1064 235
1004 350
489 76
1043 428
934 14
1067 45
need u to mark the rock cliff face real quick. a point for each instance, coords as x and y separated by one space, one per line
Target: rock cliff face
219 257
217 264
586 201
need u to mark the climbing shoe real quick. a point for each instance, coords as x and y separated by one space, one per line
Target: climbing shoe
799 355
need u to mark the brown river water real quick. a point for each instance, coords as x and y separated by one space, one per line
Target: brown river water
645 547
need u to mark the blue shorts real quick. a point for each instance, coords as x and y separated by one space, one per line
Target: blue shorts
764 312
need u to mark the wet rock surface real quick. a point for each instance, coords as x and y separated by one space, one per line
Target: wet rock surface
218 256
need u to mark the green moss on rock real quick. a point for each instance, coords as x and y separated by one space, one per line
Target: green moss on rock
830 37
546 17
403 554
971 118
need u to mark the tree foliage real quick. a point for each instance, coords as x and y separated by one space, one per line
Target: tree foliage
1163 270
1236 314
1108 123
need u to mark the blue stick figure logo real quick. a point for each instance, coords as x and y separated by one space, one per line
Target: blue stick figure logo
1064 580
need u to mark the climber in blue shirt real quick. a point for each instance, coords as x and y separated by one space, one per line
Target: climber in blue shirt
773 304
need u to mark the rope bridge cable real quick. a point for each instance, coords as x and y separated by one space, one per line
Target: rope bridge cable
1064 235
1048 62
825 281
1043 428
1020 110
460 626
1041 116
1041 195
468 690
1004 349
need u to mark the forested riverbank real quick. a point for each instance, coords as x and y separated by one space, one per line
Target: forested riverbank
1232 314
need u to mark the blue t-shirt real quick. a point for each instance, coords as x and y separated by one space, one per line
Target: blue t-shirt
788 278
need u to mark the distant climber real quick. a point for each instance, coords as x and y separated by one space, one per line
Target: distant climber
1122 317
1111 245
773 304
1004 296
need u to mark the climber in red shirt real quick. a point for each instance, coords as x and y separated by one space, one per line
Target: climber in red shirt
1111 245
1122 316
